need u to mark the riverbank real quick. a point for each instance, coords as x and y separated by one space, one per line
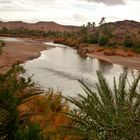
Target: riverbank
121 56
20 50
27 48
130 62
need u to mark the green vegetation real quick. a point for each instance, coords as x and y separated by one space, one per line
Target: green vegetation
25 32
106 113
128 42
15 91
123 40
26 112
103 40
136 47
113 35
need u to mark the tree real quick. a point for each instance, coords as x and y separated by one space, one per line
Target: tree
83 29
128 42
103 40
107 113
15 91
102 21
93 24
89 25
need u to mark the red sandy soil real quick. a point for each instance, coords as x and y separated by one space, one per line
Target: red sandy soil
130 62
20 51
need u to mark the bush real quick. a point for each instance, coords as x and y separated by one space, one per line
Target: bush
128 42
136 47
32 132
26 116
92 39
103 40
111 44
105 113
12 94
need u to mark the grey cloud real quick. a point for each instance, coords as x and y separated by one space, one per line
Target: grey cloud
15 6
79 17
5 1
109 2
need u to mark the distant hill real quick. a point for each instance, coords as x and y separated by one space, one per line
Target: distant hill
45 26
121 29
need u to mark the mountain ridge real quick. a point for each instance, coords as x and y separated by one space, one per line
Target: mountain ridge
41 25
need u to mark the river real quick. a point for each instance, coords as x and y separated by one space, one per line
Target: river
61 67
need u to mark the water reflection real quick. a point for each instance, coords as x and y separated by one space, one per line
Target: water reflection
104 66
10 39
61 67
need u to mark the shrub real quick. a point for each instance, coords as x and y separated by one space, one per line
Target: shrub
128 42
107 30
105 113
32 132
111 44
92 39
103 40
136 47
14 91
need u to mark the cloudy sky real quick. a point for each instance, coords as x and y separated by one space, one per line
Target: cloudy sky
76 12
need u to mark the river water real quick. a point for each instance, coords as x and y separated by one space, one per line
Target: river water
12 39
61 67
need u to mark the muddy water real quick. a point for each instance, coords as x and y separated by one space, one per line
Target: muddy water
61 67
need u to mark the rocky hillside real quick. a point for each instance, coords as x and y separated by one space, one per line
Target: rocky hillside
122 29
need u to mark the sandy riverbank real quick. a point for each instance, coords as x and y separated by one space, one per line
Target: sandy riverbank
130 62
22 51
28 49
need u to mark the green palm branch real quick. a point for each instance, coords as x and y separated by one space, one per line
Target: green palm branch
107 113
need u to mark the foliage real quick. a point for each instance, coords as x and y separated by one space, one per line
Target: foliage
128 42
90 39
136 47
83 29
103 40
37 33
106 113
107 31
102 21
24 114
111 44
14 91
30 133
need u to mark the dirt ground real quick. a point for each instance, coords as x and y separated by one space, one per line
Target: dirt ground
130 62
28 49
21 51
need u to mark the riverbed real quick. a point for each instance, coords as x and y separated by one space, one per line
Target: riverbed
59 67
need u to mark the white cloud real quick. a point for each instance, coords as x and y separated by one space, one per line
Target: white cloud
76 12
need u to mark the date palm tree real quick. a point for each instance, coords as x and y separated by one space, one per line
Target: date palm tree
14 91
107 113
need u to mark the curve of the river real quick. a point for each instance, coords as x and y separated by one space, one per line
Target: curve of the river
61 67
